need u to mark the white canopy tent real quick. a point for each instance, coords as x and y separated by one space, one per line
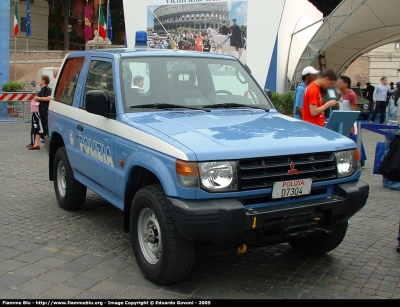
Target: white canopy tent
354 28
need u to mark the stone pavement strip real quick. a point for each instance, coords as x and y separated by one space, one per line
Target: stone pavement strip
46 252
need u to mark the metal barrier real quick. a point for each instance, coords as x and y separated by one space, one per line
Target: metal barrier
15 111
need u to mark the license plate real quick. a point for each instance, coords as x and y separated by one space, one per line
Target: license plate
291 188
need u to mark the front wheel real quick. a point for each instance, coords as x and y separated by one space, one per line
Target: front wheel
70 193
365 116
161 253
321 243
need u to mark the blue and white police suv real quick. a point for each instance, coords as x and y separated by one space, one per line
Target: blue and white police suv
190 148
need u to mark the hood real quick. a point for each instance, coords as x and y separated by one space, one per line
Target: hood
240 134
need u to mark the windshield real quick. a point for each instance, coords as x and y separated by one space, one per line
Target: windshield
188 82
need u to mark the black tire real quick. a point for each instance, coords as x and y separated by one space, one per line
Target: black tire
75 192
177 254
321 243
365 116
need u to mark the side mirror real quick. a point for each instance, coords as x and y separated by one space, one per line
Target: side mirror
33 84
269 93
98 102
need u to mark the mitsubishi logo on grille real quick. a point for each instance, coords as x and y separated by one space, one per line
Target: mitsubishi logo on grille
293 170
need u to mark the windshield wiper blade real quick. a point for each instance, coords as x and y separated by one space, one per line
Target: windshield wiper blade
233 105
166 106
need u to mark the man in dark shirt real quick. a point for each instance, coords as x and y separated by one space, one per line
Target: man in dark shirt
224 30
369 95
236 37
206 43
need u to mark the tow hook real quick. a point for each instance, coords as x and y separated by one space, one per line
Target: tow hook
242 249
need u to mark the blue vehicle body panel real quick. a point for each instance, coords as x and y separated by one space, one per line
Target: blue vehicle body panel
241 134
229 134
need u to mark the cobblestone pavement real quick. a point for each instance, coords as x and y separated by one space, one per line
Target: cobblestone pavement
46 252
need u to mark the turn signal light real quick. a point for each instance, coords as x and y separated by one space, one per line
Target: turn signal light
358 158
187 174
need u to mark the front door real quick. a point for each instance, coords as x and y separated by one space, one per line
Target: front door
95 134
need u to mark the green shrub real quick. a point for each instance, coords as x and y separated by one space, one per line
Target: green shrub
13 86
283 102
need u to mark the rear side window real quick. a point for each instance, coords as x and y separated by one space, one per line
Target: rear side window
68 80
100 77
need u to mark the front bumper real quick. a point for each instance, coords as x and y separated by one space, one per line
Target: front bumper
223 221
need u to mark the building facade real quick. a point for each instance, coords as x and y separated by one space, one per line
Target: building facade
38 40
196 16
381 62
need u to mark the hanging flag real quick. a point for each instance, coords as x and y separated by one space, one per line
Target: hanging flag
16 27
88 23
28 19
109 24
102 24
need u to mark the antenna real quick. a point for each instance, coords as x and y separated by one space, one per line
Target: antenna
176 48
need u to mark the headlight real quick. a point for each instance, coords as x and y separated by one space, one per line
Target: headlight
211 176
218 176
347 163
366 107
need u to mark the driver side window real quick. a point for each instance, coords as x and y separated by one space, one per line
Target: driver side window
226 78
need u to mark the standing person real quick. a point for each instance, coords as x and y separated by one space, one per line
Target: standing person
380 97
206 43
236 37
348 102
39 128
309 75
199 42
180 42
192 41
358 84
313 108
348 99
398 239
369 95
223 30
392 112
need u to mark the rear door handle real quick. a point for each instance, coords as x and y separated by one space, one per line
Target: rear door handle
79 127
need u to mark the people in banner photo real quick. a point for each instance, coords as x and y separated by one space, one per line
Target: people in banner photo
224 30
199 42
206 43
236 37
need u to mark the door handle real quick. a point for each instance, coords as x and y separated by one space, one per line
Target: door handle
79 127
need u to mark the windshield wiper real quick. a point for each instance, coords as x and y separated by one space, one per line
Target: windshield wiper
166 106
233 105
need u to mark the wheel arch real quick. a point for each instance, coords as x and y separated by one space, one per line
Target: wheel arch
139 177
55 143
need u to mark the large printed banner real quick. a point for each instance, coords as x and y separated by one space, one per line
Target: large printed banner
216 26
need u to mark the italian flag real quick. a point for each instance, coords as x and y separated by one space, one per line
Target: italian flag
102 24
16 28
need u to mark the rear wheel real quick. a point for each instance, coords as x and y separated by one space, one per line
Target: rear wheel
161 253
70 193
322 243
